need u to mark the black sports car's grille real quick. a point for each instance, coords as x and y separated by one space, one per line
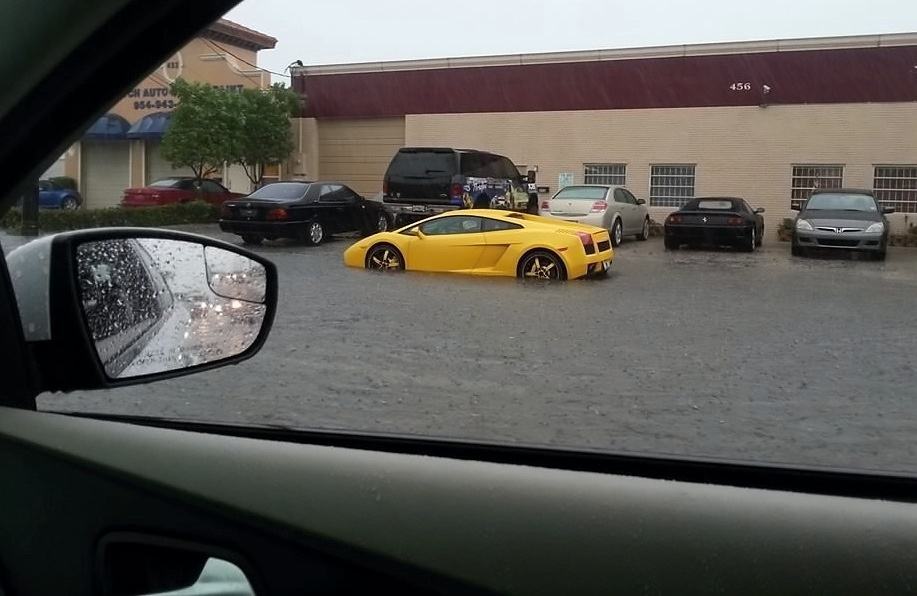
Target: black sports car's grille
604 245
590 249
837 242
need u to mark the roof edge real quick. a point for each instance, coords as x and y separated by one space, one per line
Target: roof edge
240 35
670 51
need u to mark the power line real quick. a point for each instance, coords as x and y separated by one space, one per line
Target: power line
242 60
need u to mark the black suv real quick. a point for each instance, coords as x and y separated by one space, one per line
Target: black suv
424 181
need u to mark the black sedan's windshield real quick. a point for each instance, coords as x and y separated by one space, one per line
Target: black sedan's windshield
841 202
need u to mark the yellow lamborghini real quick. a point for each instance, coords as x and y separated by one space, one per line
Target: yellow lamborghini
488 242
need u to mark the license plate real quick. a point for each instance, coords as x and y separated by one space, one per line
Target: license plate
418 208
248 212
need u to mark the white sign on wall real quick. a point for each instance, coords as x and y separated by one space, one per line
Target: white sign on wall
564 179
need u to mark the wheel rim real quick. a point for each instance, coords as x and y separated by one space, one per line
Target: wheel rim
384 259
69 204
617 232
316 232
753 239
646 229
382 224
541 267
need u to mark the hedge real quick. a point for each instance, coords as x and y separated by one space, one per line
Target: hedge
197 212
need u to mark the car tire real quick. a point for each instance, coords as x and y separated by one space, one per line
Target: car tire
645 234
70 204
616 233
761 238
752 243
795 249
314 233
252 239
541 264
671 244
384 257
880 255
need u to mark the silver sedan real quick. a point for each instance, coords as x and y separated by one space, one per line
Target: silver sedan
607 206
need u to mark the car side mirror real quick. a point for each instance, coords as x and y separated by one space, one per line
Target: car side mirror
759 210
796 207
121 306
888 210
641 201
419 233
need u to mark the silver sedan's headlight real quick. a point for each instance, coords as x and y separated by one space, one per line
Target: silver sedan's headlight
804 226
876 228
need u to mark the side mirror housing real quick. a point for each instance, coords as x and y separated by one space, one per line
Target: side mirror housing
641 201
419 233
120 306
759 210
888 210
796 207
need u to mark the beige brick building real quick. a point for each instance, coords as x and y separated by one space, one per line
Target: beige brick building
767 121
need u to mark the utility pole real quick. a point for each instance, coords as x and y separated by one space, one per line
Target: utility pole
29 210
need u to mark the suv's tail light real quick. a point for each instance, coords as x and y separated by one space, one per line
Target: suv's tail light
277 214
599 207
673 219
734 221
385 187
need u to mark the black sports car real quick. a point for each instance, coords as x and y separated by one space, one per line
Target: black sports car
307 211
715 221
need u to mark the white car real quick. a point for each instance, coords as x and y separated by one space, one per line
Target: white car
607 206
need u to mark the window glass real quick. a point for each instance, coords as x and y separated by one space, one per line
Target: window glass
211 186
452 225
171 183
807 178
896 186
841 202
582 193
605 173
422 164
281 191
496 225
671 185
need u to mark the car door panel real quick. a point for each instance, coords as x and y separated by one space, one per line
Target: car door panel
416 522
449 252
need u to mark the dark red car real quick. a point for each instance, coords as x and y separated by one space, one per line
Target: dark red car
168 191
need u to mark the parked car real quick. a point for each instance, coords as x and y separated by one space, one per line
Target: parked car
844 218
307 211
178 189
715 221
488 242
606 206
51 196
425 181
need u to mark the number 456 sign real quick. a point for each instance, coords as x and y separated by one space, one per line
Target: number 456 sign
740 87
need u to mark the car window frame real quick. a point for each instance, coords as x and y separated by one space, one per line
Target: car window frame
509 225
453 217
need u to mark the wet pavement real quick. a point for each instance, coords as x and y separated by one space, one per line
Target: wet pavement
760 357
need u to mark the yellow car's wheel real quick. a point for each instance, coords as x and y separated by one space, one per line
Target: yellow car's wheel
541 264
384 257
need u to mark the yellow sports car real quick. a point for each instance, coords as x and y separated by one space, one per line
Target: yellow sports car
488 242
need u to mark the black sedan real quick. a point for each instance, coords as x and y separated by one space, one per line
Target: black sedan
715 221
306 211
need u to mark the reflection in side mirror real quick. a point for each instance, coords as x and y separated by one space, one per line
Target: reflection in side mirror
151 305
217 577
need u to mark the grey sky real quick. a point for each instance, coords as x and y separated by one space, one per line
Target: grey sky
322 32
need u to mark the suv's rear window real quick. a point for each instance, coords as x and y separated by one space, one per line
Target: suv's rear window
422 164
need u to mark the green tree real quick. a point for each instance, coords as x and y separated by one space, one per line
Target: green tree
265 137
204 129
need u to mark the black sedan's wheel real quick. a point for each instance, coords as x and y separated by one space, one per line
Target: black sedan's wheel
70 204
796 250
644 235
617 233
541 264
761 238
253 239
671 244
384 257
315 232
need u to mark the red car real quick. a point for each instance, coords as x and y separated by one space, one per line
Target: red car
168 191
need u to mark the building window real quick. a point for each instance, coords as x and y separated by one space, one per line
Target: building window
896 186
605 173
807 178
671 185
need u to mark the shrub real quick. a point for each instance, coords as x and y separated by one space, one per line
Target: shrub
63 182
787 223
197 212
